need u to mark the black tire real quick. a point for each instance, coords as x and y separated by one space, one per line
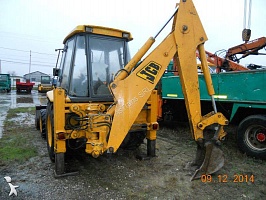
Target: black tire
251 136
42 123
50 131
58 158
37 119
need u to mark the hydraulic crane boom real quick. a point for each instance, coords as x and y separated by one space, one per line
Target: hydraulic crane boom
222 63
132 90
230 62
249 48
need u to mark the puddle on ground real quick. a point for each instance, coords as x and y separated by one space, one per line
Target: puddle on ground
23 118
14 100
4 102
3 113
25 100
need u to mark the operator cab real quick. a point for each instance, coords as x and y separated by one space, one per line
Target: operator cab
91 58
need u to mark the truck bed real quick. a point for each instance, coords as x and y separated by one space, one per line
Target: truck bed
26 86
241 86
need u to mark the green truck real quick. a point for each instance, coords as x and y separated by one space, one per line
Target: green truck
5 82
240 96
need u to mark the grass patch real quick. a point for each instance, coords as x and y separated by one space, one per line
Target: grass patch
11 153
13 112
16 143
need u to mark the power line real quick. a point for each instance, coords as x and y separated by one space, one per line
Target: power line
41 58
52 40
36 64
27 51
14 49
43 53
16 55
8 58
44 62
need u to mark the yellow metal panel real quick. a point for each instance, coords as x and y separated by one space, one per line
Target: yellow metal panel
189 33
59 118
98 30
132 92
60 146
152 115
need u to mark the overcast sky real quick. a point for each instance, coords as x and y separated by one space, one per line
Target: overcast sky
39 26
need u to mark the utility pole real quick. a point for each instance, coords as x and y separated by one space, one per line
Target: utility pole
30 65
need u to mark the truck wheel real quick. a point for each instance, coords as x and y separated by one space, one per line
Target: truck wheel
251 136
50 131
37 119
42 123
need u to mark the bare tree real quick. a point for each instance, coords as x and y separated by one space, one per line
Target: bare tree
12 73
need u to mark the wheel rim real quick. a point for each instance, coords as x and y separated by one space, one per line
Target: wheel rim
255 137
49 131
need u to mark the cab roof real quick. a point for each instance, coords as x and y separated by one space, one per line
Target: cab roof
99 30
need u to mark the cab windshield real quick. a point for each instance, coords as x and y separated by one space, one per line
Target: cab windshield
90 64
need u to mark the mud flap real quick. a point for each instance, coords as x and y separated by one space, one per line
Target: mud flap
213 159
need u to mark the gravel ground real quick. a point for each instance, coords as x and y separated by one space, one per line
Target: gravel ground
122 176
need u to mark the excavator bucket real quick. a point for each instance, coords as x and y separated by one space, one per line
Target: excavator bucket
213 160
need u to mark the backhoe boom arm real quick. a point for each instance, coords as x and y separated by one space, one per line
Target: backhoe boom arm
132 92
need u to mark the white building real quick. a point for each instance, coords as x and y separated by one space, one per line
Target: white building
35 76
14 78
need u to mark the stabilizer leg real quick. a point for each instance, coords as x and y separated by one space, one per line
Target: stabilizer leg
60 166
151 145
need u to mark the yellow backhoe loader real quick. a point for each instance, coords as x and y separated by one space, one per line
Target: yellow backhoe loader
104 100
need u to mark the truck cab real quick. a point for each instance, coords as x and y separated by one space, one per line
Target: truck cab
5 82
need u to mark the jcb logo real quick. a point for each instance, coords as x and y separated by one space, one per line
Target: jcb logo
149 72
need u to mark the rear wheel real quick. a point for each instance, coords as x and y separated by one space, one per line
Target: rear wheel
251 136
42 123
58 158
37 119
50 131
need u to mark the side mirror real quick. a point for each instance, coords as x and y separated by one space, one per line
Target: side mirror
56 72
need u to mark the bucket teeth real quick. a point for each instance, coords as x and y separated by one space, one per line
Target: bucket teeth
212 162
